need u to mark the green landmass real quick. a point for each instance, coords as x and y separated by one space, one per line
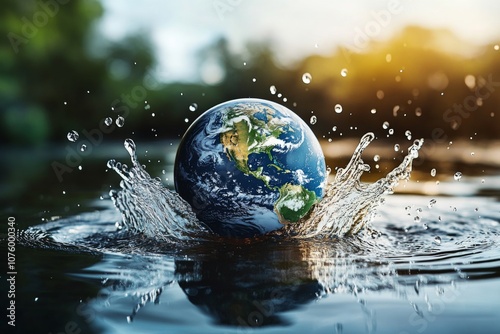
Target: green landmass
294 203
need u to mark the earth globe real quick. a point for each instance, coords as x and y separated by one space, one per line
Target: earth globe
249 166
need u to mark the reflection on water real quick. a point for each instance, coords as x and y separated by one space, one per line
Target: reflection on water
238 291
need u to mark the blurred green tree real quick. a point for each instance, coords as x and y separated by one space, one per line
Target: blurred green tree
52 80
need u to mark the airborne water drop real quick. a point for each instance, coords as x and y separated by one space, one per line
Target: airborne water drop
120 121
73 136
193 107
306 78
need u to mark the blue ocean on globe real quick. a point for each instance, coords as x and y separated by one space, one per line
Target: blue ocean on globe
249 166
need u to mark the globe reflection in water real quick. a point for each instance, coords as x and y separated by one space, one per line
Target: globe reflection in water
248 166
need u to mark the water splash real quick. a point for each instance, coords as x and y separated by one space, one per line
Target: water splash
149 208
348 204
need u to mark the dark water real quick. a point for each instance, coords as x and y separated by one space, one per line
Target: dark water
430 265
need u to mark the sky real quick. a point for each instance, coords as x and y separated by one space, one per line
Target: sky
295 29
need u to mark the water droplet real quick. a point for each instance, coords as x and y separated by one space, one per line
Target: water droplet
64 192
391 131
193 107
408 134
376 157
483 180
457 176
417 219
425 226
186 120
83 147
120 121
373 111
431 203
313 120
73 136
306 78
343 72
338 108
108 121
334 128
472 153
273 89
254 80
437 240
80 167
433 172
418 112
153 114
36 299
396 147
496 47
385 125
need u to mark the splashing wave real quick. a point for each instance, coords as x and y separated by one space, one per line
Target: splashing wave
147 207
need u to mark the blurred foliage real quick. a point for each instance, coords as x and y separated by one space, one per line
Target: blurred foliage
58 74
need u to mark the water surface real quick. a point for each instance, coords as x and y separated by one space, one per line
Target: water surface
429 264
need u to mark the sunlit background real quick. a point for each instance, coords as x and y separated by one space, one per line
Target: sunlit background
401 69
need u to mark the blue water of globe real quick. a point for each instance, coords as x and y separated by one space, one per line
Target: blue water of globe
249 166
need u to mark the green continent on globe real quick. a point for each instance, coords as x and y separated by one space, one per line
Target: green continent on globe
294 203
247 134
